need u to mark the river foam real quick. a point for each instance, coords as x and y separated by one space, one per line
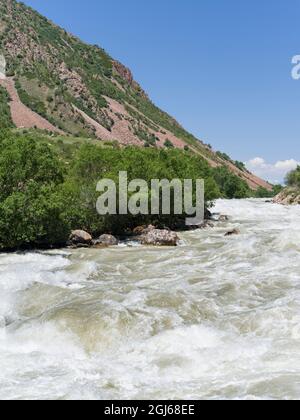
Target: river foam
214 318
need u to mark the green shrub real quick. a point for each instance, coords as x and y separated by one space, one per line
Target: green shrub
293 178
224 156
32 217
30 213
240 165
24 160
168 144
231 186
5 115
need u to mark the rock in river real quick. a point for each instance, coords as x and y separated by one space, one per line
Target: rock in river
233 232
159 237
80 237
106 240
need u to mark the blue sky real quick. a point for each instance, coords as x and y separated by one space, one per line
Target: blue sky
222 68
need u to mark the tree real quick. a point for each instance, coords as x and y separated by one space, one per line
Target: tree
293 178
29 207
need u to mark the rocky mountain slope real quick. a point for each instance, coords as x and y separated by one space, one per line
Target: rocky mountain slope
58 83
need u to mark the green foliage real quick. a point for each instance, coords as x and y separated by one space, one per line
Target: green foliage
92 164
293 178
168 144
32 103
277 189
240 165
223 156
23 160
29 209
231 186
149 138
5 115
264 193
32 218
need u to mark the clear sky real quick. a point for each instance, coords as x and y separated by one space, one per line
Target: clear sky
221 67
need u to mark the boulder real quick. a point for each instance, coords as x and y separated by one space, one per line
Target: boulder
106 240
233 232
159 237
80 237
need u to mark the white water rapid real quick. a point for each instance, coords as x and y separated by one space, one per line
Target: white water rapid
213 318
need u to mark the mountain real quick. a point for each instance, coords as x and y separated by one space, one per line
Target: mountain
51 80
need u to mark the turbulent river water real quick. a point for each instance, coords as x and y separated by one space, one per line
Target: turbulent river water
213 318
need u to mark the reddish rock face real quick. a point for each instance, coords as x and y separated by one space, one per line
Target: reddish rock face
123 71
127 75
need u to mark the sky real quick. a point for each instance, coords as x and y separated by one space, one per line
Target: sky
222 68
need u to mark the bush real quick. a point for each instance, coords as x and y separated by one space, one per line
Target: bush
293 178
168 144
30 213
264 193
32 218
24 160
5 115
240 165
231 186
277 189
92 164
223 156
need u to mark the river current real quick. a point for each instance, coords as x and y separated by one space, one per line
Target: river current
215 318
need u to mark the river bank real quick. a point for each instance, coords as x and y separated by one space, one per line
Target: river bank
289 196
215 317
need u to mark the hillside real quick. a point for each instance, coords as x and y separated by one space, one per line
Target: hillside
58 83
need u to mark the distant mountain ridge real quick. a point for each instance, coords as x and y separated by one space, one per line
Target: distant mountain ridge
58 83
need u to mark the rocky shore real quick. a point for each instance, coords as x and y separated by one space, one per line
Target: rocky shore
289 196
145 235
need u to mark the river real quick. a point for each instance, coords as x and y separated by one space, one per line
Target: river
215 318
